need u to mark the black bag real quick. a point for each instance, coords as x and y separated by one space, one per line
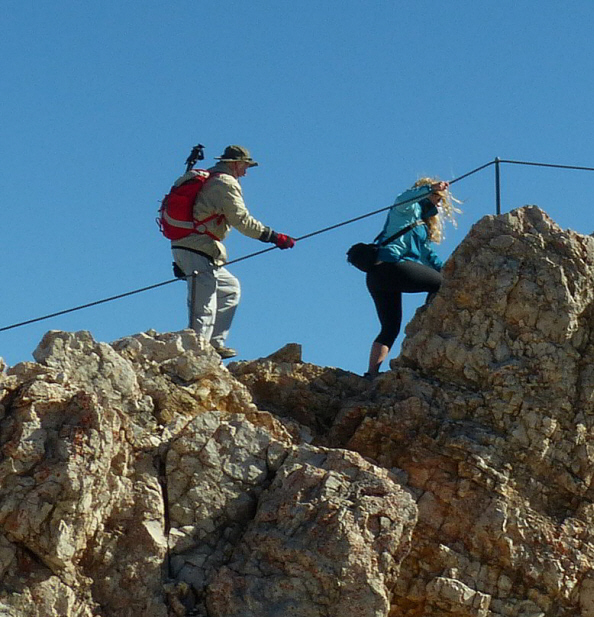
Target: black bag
363 256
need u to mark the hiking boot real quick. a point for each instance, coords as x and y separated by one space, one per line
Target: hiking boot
371 376
225 352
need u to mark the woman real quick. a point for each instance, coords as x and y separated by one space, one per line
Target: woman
408 263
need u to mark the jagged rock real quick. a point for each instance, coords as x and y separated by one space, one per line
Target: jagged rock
81 440
310 394
134 478
144 478
291 353
487 418
263 527
451 596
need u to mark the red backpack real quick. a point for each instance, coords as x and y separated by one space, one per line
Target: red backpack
176 214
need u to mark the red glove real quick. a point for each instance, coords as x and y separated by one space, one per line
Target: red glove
283 241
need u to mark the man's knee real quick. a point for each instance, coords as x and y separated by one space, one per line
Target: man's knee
229 289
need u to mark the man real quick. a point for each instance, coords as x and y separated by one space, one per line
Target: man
219 206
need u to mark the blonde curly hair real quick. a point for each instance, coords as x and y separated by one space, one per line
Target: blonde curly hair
446 211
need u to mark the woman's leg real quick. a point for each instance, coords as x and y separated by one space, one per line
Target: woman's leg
413 277
386 282
377 355
388 305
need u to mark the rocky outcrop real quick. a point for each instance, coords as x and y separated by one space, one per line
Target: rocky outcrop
143 478
139 479
487 419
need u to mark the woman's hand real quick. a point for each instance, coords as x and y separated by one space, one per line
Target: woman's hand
439 186
436 192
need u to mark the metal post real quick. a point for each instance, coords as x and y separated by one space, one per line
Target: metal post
192 298
497 186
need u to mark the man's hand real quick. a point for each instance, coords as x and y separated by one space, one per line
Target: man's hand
283 241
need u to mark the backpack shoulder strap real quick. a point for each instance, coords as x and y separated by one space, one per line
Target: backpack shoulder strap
400 232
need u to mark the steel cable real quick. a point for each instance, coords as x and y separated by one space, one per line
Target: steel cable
272 248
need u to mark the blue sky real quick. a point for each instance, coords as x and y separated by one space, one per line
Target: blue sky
344 104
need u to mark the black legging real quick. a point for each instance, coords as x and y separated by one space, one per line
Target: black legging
386 283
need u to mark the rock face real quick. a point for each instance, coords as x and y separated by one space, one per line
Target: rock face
139 479
143 478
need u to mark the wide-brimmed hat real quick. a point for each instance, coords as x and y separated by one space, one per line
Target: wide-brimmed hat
237 154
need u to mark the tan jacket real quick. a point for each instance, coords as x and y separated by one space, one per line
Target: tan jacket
220 195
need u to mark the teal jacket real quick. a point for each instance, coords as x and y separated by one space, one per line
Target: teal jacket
409 207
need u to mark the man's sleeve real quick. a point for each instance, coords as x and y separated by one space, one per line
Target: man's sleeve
235 211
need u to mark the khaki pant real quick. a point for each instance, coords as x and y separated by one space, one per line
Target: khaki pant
216 296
